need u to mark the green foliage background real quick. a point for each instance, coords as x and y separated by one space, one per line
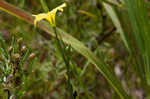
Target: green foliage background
109 55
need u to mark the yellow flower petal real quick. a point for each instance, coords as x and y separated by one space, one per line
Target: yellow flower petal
50 16
39 17
60 8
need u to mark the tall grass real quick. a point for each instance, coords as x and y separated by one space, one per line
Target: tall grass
138 41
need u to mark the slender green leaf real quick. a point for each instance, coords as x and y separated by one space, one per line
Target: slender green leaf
111 12
127 39
141 32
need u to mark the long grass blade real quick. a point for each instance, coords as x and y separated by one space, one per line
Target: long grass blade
114 17
141 32
127 38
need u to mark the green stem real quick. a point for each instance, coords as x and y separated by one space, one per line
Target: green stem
44 5
61 47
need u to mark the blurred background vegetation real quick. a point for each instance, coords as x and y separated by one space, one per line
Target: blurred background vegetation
103 26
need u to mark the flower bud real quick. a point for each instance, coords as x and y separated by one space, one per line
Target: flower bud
20 40
16 56
32 55
10 49
24 48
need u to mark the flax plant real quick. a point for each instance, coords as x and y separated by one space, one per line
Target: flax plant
50 17
77 45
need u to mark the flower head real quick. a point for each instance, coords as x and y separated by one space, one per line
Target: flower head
50 16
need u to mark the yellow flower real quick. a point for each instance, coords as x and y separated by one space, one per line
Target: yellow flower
50 16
